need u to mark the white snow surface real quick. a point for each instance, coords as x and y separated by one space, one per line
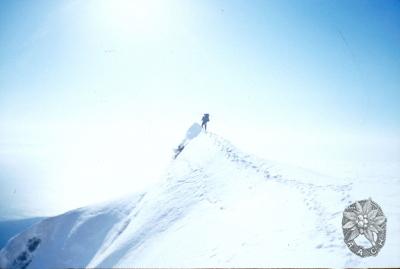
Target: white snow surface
217 207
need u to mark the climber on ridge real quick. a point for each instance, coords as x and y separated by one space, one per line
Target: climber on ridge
205 119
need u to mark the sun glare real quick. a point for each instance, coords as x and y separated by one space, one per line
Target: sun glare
131 15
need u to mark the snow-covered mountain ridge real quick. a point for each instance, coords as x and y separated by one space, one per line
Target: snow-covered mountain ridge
217 207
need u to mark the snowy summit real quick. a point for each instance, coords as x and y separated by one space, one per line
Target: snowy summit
217 207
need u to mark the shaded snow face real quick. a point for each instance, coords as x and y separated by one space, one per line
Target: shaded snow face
10 228
217 207
24 258
193 131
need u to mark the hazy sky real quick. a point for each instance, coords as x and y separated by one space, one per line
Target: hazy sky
94 95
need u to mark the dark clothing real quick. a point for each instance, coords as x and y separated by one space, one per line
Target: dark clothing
204 125
205 119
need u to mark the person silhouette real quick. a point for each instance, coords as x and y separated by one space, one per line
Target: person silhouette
205 119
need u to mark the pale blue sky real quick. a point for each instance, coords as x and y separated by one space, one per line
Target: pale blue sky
94 94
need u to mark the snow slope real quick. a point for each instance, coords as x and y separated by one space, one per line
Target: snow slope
9 228
217 207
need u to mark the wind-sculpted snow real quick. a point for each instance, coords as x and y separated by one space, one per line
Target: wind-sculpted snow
217 207
68 240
